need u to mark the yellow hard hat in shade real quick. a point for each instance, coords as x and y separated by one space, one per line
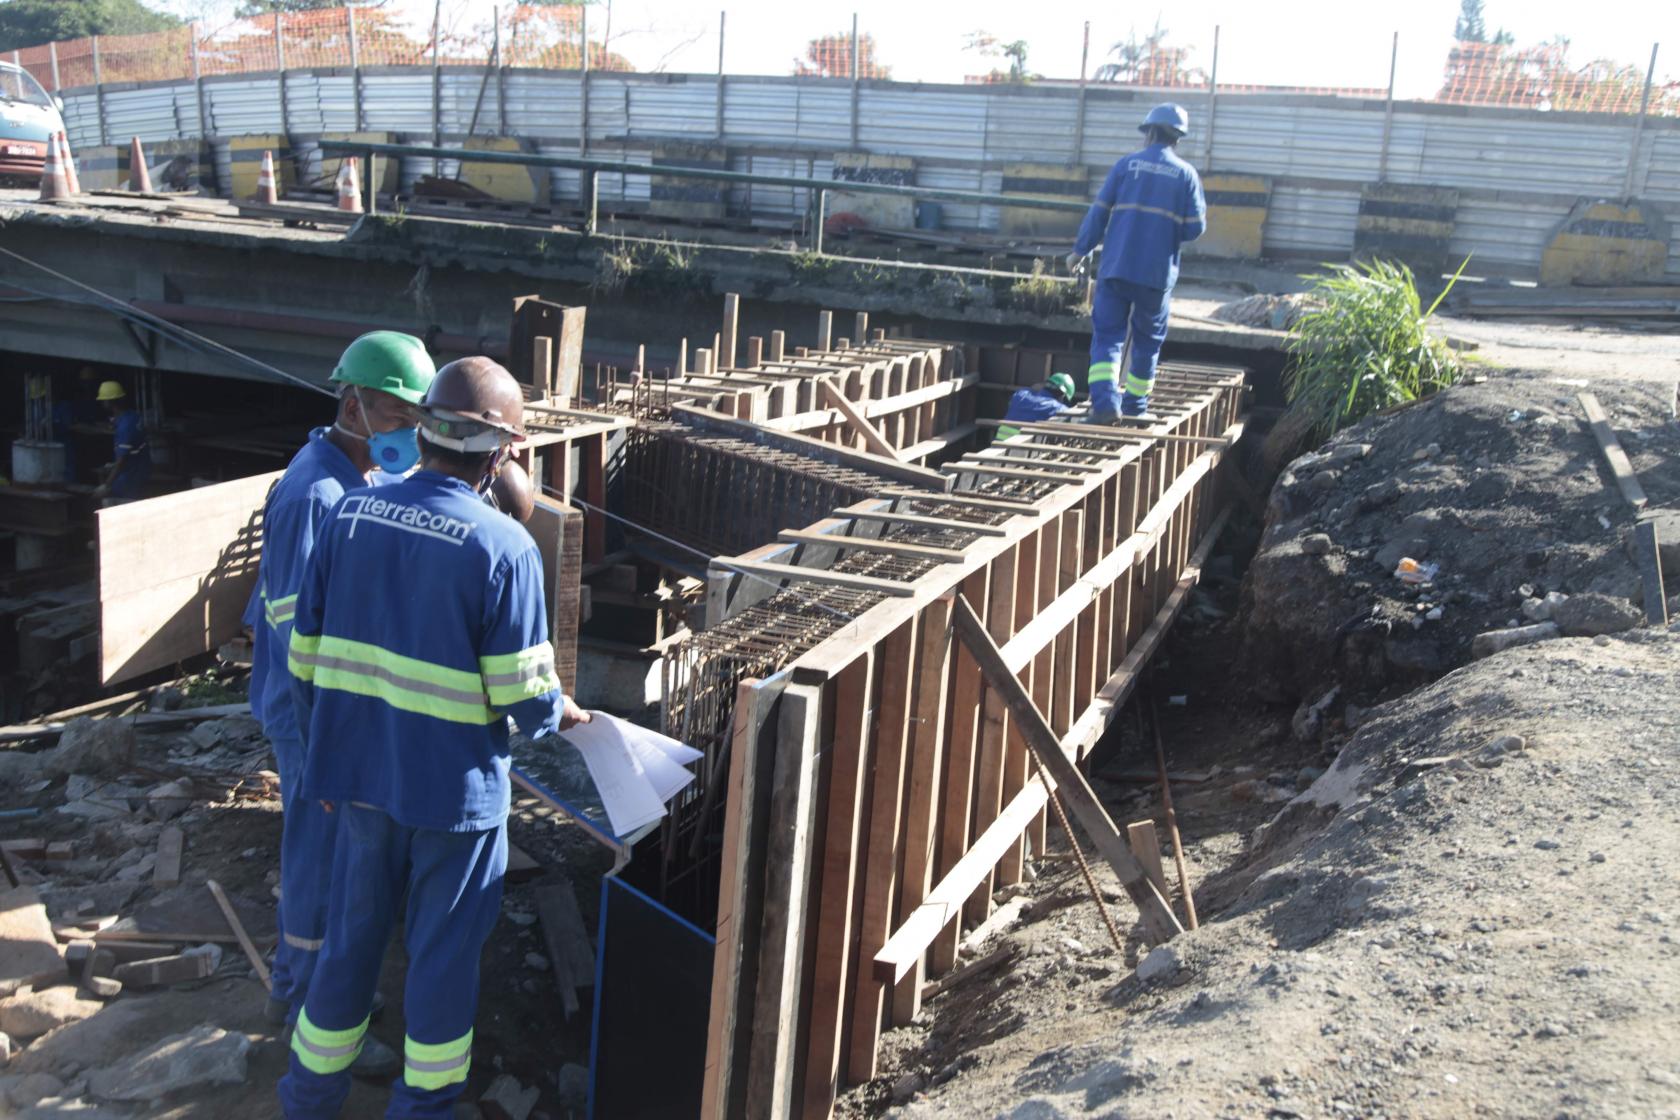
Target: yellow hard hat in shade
111 391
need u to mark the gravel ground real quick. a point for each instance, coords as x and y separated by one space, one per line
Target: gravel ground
1473 912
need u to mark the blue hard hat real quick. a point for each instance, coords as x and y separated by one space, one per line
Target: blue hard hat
1168 115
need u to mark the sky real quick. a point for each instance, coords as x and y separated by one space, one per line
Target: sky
1286 42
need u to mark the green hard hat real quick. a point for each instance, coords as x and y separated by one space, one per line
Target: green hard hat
389 361
1062 383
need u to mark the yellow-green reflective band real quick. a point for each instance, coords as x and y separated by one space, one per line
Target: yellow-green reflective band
512 677
433 1066
279 611
1005 431
299 652
326 1052
1139 386
406 683
1100 371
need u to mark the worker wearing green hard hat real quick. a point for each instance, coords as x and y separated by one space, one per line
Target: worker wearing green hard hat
1037 402
382 377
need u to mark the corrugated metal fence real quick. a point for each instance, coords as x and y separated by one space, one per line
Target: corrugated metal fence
1517 172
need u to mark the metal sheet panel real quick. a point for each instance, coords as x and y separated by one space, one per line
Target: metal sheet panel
1026 128
398 102
1503 237
907 121
240 108
544 105
760 112
1301 220
669 109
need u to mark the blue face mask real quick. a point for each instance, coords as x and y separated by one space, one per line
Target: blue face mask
395 452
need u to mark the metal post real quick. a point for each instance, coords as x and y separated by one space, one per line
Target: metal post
205 128
280 69
722 16
501 71
1388 110
592 205
355 66
1213 101
854 84
1079 103
52 53
583 82
370 188
437 85
822 211
99 91
1639 125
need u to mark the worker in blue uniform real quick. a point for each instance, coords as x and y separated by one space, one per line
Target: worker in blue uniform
1150 205
1036 403
381 377
125 477
421 627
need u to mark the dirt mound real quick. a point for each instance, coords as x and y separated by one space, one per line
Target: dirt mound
1471 913
1498 483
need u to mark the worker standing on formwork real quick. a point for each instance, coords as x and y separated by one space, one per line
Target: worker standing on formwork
1150 205
1037 402
125 477
382 376
421 627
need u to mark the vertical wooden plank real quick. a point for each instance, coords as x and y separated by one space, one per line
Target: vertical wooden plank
825 330
1146 845
774 1059
734 954
731 324
755 352
843 845
594 451
928 746
994 740
957 798
886 844
860 328
1040 678
778 346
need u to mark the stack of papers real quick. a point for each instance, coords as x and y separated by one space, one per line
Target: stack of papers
636 771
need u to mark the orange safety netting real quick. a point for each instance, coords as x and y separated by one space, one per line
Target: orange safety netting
831 57
1543 78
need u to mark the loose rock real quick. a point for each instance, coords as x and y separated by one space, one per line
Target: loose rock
1162 963
1316 544
203 1056
29 1014
1592 613
91 745
1491 642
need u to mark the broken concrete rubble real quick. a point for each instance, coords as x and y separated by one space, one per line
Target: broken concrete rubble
90 745
29 1014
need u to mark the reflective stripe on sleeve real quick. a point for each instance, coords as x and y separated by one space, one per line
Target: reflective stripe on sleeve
512 677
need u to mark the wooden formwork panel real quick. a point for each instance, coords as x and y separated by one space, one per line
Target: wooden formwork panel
926 790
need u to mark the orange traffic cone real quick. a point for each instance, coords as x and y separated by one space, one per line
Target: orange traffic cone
349 188
69 160
53 183
267 193
139 175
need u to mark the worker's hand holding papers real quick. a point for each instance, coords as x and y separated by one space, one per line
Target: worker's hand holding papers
636 771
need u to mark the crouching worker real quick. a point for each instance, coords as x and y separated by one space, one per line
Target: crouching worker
420 628
1039 402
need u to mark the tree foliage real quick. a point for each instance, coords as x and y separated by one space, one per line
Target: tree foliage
29 23
269 7
831 57
1149 61
1472 26
987 45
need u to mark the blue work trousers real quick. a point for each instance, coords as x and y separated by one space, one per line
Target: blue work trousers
307 832
1118 310
454 885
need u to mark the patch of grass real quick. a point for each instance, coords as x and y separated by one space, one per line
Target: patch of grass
1365 346
208 690
617 264
1042 293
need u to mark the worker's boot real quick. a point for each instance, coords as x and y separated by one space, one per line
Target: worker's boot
376 1060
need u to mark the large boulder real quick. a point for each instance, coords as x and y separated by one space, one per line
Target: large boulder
1585 616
